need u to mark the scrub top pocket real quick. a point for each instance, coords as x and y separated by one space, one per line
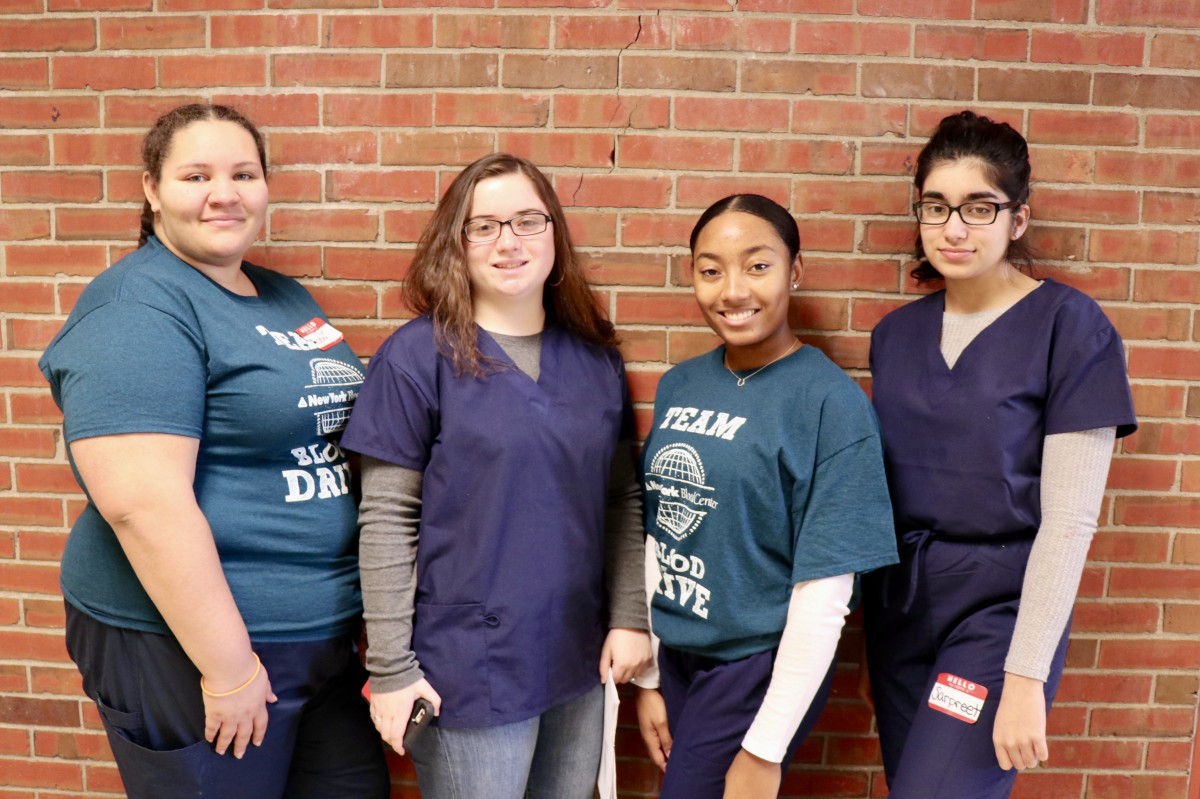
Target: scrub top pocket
450 642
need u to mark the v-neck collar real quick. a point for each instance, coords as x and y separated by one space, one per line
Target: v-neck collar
547 360
934 339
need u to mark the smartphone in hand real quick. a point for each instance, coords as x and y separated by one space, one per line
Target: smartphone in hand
422 714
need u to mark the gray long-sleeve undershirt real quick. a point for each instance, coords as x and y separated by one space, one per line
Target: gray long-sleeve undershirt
1074 471
390 518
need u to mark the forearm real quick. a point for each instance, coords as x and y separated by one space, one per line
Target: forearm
389 520
1074 471
816 614
172 552
623 543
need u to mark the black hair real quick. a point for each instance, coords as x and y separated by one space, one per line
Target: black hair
158 141
764 208
1004 156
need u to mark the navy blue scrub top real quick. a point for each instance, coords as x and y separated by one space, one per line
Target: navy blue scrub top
963 446
510 599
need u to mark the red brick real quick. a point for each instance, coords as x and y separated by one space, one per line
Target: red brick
1082 128
44 613
267 30
523 32
139 111
656 229
1168 756
14 742
887 237
420 148
369 263
612 32
1172 131
843 118
887 159
663 73
340 147
971 43
1047 784
1152 722
72 746
799 6
376 185
553 149
1165 362
674 152
703 191
737 115
52 680
378 30
851 38
54 259
53 478
442 70
404 226
23 35
602 111
379 110
42 546
326 69
823 234
198 71
1060 165
100 5
49 112
102 73
1068 11
1151 582
1152 13
1173 50
1158 511
798 77
364 338
746 35
41 774
1135 786
20 74
1068 47
1035 86
295 261
855 197
23 225
295 186
1187 549
507 110
864 314
1098 282
1146 91
210 5
789 156
1142 246
1111 617
815 312
1094 206
158 32
673 308
917 80
346 302
1184 619
1157 401
632 269
324 225
109 149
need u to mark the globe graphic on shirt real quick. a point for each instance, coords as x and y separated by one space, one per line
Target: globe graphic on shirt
676 475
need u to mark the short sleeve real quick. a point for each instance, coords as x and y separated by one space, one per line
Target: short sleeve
843 523
127 367
395 417
1088 380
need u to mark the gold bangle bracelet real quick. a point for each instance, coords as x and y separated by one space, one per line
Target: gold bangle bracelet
257 669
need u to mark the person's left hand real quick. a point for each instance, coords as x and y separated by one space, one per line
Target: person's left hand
626 652
1019 733
751 777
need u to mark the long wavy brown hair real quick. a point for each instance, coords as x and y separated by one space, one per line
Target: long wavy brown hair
438 283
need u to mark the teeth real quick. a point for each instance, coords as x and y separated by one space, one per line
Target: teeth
737 316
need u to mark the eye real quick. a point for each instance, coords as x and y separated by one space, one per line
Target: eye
708 272
196 178
245 176
759 267
979 210
482 227
533 223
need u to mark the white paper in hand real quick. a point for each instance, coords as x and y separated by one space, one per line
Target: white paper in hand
607 781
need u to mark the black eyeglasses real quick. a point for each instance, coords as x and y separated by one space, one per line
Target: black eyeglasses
481 230
976 212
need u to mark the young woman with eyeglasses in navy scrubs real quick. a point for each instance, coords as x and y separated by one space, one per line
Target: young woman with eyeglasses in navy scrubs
501 538
999 398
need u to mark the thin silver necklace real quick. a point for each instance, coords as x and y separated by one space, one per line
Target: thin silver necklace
741 381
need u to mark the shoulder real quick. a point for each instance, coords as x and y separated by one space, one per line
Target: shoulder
1073 315
686 372
911 313
411 348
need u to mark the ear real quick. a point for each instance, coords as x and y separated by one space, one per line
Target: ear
150 189
796 273
1020 221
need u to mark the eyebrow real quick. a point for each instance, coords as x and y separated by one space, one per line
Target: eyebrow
975 195
202 165
743 254
518 213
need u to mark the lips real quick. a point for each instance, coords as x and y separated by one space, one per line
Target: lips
509 264
952 254
738 316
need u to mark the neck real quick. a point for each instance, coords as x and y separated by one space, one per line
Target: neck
228 276
997 289
755 356
518 318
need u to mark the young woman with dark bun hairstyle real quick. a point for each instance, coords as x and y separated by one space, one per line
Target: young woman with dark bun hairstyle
765 495
999 398
211 581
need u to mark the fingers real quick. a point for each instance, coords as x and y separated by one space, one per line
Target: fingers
664 737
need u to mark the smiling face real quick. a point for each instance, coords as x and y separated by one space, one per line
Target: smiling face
742 275
211 199
962 252
508 275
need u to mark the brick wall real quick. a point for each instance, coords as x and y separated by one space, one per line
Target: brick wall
643 115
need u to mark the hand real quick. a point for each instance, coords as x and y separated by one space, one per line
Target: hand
239 718
1019 733
391 711
626 652
652 720
751 777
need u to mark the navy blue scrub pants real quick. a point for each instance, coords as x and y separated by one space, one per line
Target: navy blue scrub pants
320 742
710 706
948 606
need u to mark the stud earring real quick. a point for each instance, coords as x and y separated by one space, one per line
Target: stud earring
795 286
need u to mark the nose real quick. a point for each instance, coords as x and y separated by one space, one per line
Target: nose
223 191
734 286
954 227
507 239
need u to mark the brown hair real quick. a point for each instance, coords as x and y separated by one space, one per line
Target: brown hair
438 283
157 145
